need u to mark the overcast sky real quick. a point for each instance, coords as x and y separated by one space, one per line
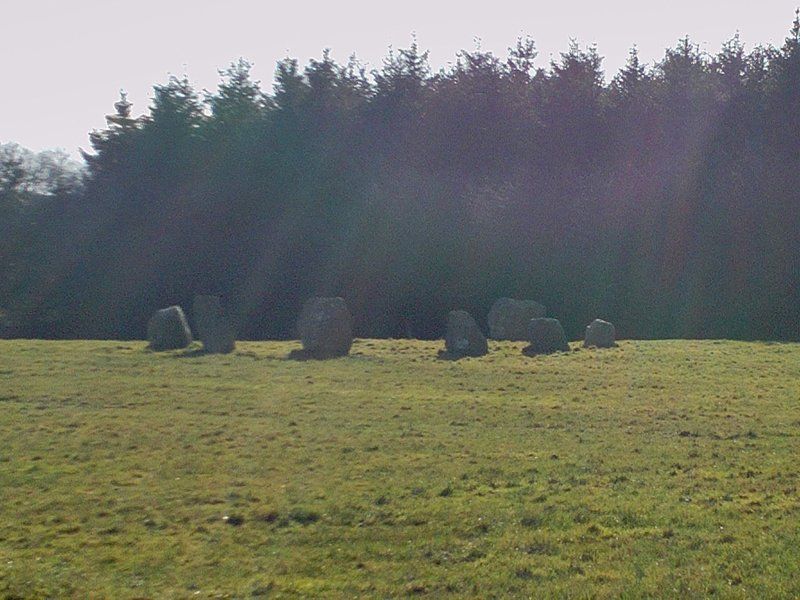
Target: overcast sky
63 62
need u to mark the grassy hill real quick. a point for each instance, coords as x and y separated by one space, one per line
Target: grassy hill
657 468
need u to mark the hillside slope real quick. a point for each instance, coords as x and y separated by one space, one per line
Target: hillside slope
657 468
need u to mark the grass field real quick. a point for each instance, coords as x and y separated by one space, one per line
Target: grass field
657 469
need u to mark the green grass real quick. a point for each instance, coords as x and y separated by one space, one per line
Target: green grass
656 469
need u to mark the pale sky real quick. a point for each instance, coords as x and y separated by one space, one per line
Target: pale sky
63 62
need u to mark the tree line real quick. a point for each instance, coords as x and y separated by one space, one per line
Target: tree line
665 199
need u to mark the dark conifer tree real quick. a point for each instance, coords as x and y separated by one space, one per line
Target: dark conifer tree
665 199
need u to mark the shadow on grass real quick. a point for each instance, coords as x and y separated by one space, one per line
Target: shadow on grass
191 353
445 355
593 347
532 352
301 354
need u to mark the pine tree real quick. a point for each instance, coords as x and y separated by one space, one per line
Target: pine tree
731 66
238 99
630 80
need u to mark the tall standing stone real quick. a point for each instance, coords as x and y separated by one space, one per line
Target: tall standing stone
168 329
508 318
545 336
600 334
325 328
463 336
213 326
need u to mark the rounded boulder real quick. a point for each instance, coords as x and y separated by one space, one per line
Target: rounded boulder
545 336
168 330
463 336
325 328
213 326
600 334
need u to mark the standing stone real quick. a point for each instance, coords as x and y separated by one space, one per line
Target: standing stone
600 334
509 318
546 336
463 336
326 329
168 329
213 326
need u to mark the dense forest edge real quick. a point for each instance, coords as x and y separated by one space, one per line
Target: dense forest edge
665 198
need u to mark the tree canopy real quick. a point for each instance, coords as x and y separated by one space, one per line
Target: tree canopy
663 197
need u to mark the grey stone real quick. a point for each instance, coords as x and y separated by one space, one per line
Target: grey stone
600 334
463 336
168 329
213 326
325 328
509 318
545 336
